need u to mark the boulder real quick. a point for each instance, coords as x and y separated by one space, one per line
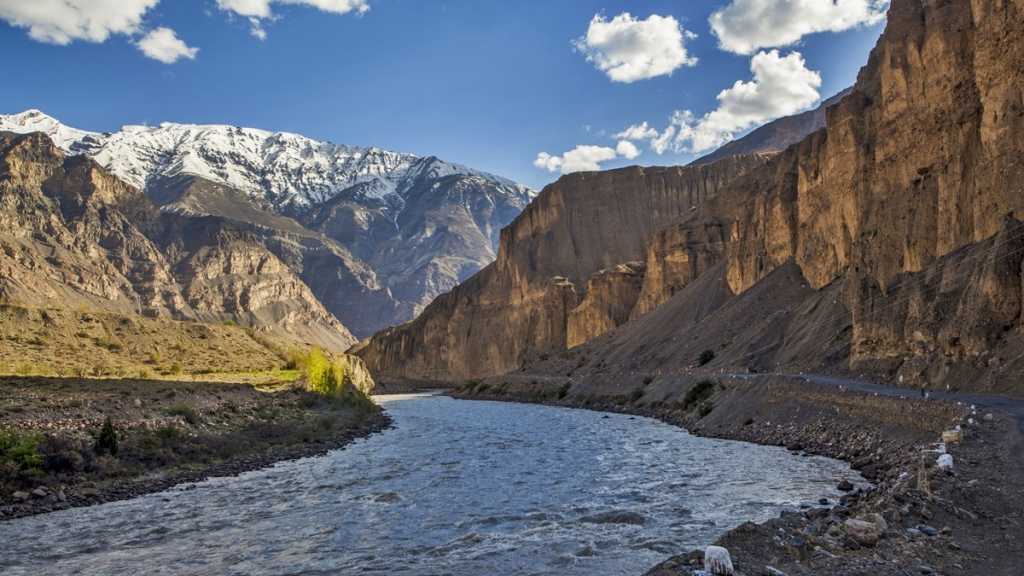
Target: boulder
944 462
862 532
718 562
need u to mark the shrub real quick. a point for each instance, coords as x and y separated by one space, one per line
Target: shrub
21 450
705 409
563 392
187 413
106 440
636 395
176 368
331 378
700 392
705 357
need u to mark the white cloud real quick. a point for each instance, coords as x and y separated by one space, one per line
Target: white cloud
579 159
164 45
744 26
782 85
664 141
628 49
258 10
627 149
64 21
637 132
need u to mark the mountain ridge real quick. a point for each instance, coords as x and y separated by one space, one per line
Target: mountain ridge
411 226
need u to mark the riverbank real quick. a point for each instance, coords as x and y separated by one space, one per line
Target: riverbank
168 433
916 519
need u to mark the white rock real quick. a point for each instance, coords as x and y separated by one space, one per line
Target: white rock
718 562
945 462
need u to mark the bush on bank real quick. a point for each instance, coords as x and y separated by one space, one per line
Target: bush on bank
336 378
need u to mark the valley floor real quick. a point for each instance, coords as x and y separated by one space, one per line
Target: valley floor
917 519
167 433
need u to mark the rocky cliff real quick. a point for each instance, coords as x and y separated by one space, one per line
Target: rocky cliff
896 221
75 237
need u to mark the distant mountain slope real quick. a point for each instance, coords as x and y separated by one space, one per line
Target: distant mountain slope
411 227
778 135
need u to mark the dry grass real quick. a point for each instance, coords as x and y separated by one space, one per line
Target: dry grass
36 342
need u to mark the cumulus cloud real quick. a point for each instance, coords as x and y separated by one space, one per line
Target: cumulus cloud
64 21
628 49
781 86
580 159
164 45
745 26
258 10
627 149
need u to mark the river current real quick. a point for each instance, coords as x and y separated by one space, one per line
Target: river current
460 488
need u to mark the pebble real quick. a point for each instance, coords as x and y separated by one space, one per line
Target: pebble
927 530
19 495
845 486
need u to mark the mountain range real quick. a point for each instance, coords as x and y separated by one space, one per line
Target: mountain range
372 236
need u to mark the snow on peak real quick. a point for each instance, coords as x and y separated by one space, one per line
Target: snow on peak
286 169
32 120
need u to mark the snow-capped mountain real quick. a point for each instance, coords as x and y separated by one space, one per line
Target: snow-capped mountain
402 228
288 170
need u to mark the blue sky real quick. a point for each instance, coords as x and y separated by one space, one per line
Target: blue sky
485 83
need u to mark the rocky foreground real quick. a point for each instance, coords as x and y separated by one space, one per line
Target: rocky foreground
168 433
917 518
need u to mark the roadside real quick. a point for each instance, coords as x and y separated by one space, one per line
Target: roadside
916 519
167 433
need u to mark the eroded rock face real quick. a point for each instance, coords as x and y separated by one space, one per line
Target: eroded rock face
676 256
610 297
922 159
73 236
518 308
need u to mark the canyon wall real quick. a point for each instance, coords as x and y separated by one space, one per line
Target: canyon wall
518 308
921 160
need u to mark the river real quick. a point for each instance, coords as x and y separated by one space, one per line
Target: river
455 488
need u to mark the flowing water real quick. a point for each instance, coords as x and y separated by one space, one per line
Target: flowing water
457 487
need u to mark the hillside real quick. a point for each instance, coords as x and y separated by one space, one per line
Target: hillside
888 217
76 238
